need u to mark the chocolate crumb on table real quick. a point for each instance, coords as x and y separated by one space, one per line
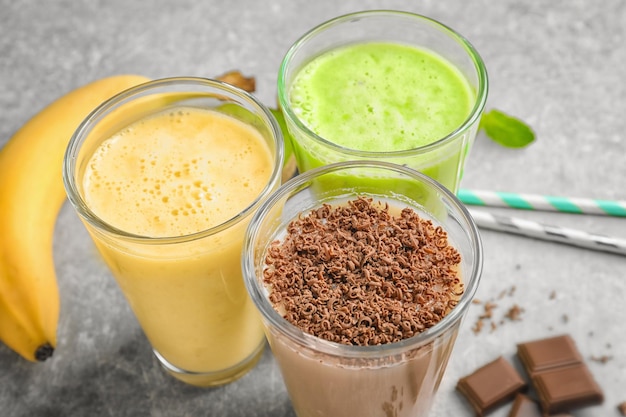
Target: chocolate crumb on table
487 314
602 359
357 274
491 386
489 307
513 313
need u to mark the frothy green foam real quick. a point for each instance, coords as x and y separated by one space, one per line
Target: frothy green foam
381 96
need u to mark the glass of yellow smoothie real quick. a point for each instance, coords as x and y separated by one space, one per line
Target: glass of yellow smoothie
383 85
165 177
362 288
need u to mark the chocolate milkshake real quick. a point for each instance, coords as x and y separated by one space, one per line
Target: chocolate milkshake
361 290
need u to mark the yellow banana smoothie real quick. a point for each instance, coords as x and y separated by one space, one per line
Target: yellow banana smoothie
178 174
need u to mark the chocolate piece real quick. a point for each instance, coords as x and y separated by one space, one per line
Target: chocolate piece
545 354
566 389
622 408
491 385
524 406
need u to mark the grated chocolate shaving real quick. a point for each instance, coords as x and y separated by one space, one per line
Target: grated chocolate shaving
357 275
514 313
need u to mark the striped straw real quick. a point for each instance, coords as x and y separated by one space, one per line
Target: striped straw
536 230
539 202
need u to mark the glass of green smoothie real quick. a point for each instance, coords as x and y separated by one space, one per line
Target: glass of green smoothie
383 85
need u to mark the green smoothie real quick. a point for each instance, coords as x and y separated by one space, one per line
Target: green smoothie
382 97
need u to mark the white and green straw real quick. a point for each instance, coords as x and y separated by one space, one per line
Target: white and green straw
541 231
568 236
541 202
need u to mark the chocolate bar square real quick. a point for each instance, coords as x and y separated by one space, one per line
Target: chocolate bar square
491 385
549 353
568 388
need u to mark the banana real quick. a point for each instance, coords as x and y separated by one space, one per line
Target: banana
31 195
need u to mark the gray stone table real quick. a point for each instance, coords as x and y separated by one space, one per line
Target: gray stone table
557 64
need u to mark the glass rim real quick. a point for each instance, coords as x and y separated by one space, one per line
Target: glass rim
479 66
70 157
293 333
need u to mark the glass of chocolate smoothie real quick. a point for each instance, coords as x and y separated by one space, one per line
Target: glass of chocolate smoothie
362 273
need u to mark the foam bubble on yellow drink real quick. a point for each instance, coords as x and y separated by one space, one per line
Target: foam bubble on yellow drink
178 173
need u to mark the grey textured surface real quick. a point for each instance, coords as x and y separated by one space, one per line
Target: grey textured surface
557 64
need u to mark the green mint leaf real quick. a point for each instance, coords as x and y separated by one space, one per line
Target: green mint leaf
506 130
